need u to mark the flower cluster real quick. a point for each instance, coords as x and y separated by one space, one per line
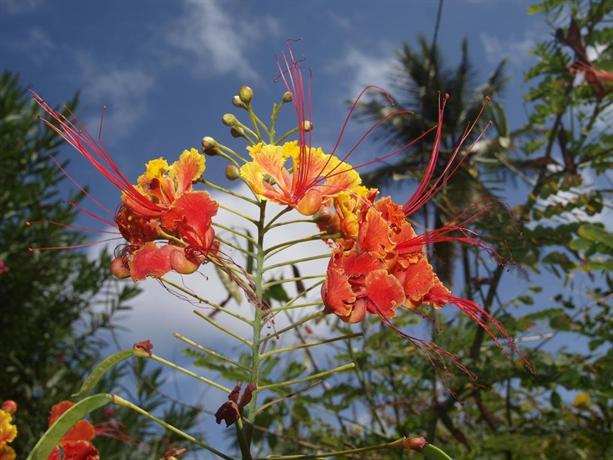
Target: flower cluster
167 225
8 430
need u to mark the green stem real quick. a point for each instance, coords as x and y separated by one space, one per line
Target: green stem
287 134
316 315
290 280
127 404
242 440
277 217
297 261
222 328
231 152
209 351
227 191
289 222
234 232
204 301
308 345
185 371
271 251
235 247
318 375
237 213
388 445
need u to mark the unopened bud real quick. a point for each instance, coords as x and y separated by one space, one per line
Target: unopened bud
307 125
232 172
9 406
237 132
143 349
209 146
182 264
245 94
287 97
236 102
229 120
119 268
417 443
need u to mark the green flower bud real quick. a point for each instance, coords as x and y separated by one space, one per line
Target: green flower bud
229 120
236 102
232 172
237 131
287 97
209 146
245 94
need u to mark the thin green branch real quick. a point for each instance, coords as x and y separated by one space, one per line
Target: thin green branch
308 345
222 328
271 251
286 135
209 351
290 222
290 280
235 247
277 217
239 214
318 375
294 307
297 261
185 371
316 315
205 301
228 191
291 395
234 232
388 445
129 405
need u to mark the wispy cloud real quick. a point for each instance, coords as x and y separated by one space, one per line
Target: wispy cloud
20 6
515 50
36 43
364 69
215 41
122 90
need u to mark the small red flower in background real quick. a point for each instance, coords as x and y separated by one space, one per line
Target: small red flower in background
76 442
167 224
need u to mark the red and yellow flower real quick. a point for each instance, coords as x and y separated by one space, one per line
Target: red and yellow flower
167 224
76 444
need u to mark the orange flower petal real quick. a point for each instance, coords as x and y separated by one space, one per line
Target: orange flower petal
150 260
337 294
188 168
418 280
191 217
384 291
75 450
374 234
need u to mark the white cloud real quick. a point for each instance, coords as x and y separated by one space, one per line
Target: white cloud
515 50
364 69
122 90
214 41
20 6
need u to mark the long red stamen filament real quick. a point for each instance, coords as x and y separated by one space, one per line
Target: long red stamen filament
71 226
80 187
428 348
91 214
72 246
79 138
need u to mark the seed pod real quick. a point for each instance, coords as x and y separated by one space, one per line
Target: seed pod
232 172
287 97
245 94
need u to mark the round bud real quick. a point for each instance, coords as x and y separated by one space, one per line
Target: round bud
237 131
9 406
310 203
229 120
245 94
417 443
232 172
209 145
182 264
119 269
287 97
236 102
308 126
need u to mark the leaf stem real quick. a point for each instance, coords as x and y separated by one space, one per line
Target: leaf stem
209 351
318 375
308 345
185 371
222 328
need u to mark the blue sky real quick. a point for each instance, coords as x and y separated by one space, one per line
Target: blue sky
167 71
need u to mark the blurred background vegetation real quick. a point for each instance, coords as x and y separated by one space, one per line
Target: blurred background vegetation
60 309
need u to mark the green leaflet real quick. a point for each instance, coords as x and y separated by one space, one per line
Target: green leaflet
54 434
434 453
90 382
596 233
